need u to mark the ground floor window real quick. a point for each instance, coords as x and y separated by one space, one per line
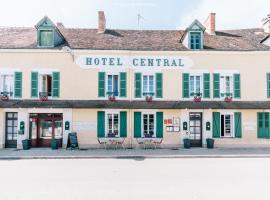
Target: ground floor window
112 125
148 125
226 125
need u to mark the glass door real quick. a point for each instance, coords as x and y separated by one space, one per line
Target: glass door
195 129
11 130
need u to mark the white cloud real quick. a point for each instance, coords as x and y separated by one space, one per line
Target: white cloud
230 14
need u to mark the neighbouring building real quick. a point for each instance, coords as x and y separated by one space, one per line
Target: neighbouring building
133 85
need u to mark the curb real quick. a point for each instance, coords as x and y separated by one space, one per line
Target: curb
133 157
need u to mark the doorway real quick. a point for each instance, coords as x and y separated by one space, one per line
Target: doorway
44 128
11 130
195 129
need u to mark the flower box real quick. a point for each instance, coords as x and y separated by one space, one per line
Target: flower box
228 99
112 98
197 99
148 98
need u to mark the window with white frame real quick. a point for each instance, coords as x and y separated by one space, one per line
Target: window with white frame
148 125
7 84
113 85
112 125
226 86
195 82
45 85
148 85
226 125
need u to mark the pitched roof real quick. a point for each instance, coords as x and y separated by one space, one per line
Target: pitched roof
145 40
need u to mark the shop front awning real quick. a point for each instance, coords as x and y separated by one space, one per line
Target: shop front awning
106 104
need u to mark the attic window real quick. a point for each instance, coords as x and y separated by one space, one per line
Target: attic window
46 38
195 40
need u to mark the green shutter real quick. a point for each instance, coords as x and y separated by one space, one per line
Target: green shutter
123 84
18 85
237 86
159 85
56 84
216 86
34 84
238 124
101 124
101 84
138 85
266 125
123 124
260 125
268 84
206 85
137 124
185 85
159 124
216 125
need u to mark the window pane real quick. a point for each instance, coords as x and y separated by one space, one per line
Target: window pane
115 85
151 84
191 84
115 124
198 84
110 83
46 38
145 84
109 123
145 124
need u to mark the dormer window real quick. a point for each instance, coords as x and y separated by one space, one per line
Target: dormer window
194 36
48 35
46 38
195 40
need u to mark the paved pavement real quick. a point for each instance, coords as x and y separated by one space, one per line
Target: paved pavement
135 179
47 153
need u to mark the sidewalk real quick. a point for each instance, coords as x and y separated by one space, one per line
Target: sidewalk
47 153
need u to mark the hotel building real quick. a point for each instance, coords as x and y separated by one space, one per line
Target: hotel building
132 85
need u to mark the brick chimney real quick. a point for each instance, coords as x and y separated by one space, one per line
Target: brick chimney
266 24
101 22
210 24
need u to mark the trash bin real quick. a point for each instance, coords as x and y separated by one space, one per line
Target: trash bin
26 144
210 143
187 143
54 144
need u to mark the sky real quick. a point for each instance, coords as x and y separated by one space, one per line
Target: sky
123 14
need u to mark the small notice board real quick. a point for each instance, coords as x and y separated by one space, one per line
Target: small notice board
72 142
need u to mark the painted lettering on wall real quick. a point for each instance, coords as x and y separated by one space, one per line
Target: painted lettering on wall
88 62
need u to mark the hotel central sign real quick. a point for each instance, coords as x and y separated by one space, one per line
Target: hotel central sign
88 62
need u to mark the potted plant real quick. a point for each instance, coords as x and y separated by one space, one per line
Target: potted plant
26 144
197 97
210 143
54 144
187 141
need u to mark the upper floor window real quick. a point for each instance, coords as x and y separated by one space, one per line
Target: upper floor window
226 85
195 85
46 38
195 40
46 85
148 85
7 85
113 82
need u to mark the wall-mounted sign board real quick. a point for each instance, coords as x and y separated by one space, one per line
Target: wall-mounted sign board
108 61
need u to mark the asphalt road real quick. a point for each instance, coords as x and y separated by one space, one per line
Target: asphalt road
94 179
